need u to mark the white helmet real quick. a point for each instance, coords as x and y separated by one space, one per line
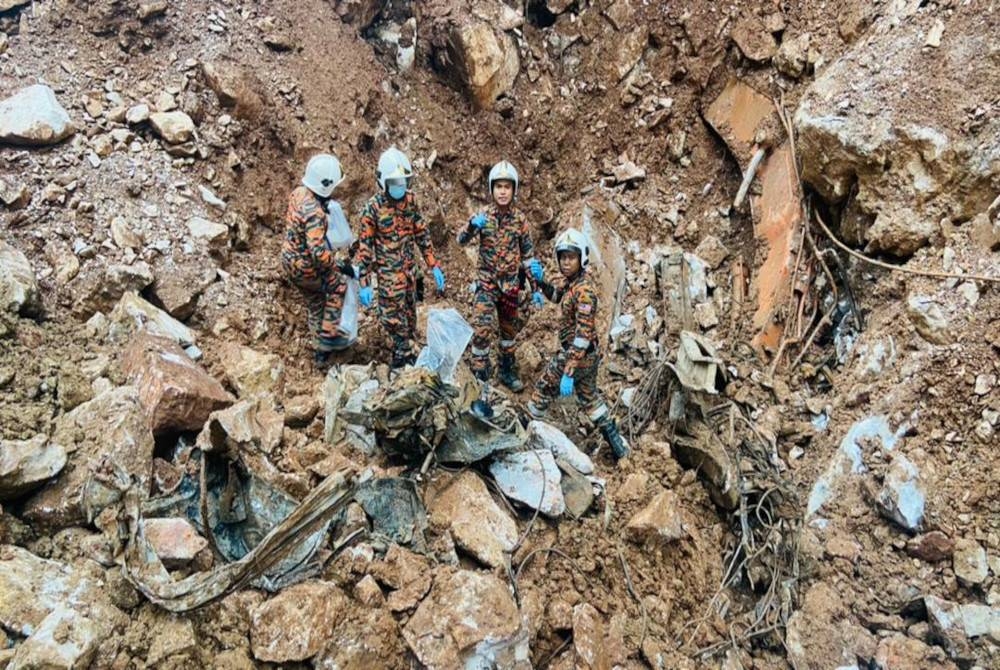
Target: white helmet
392 164
503 171
572 239
322 175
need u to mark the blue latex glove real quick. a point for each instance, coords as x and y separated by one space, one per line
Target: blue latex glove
537 298
439 279
566 386
478 221
367 295
536 269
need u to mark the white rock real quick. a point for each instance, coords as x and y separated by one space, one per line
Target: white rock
969 562
27 464
33 117
531 477
137 114
173 127
545 436
18 288
210 198
203 230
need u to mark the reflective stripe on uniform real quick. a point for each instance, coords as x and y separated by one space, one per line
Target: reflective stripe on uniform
581 342
599 413
505 343
480 352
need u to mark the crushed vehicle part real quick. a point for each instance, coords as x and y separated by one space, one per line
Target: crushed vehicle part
341 381
396 510
698 365
470 439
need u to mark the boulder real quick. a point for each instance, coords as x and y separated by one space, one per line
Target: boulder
969 562
711 251
7 5
175 392
252 423
251 373
293 625
588 638
172 127
109 443
103 291
33 117
234 87
910 163
902 496
661 521
753 39
18 288
545 436
137 114
174 540
133 314
27 464
577 490
14 195
929 320
367 638
64 613
481 61
178 286
532 478
214 235
947 626
898 652
464 610
820 635
477 523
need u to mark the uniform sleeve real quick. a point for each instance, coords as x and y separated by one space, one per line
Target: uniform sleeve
527 252
364 253
315 222
586 328
423 236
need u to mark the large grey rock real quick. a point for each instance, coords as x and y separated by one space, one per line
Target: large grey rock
27 464
477 523
464 612
132 313
18 288
63 613
33 117
532 478
909 157
902 496
109 444
107 288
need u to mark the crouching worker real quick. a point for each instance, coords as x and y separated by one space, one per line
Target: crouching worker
308 260
506 260
392 230
574 367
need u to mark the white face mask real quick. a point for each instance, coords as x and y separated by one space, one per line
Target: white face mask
396 188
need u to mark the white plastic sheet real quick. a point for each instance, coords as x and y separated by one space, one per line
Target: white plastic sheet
349 314
338 231
448 334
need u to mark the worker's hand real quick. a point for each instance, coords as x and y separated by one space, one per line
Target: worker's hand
536 269
367 295
537 298
566 386
478 221
439 279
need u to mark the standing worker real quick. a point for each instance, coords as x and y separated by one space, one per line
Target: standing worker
391 230
506 260
574 367
308 260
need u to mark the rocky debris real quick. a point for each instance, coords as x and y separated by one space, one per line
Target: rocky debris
627 172
293 625
902 496
175 392
210 199
712 251
954 625
123 235
969 562
408 574
577 490
137 114
300 410
476 522
64 613
251 424
178 287
133 314
235 89
214 235
929 320
368 592
820 635
793 55
107 438
359 13
173 642
480 61
14 195
900 651
910 164
174 540
27 464
532 478
103 291
659 522
931 547
465 613
33 117
986 231
596 644
753 39
251 373
172 127
18 287
545 436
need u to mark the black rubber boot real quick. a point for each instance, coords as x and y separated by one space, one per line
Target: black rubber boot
619 446
508 373
321 360
400 361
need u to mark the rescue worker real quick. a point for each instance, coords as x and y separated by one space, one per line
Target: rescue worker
392 230
574 367
309 262
506 261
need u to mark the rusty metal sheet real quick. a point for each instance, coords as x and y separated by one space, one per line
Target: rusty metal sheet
737 115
